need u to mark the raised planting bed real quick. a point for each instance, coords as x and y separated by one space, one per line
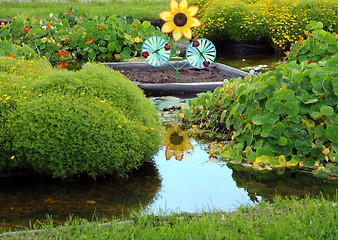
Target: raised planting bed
161 81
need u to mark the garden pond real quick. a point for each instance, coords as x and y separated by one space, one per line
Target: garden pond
188 181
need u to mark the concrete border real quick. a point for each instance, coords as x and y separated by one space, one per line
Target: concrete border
173 89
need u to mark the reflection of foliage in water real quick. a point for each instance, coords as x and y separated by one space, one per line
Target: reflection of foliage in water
268 184
28 199
176 142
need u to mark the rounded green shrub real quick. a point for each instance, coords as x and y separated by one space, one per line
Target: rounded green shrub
92 122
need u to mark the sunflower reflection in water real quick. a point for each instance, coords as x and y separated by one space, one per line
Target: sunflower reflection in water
176 142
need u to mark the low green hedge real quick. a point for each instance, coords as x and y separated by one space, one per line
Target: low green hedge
92 122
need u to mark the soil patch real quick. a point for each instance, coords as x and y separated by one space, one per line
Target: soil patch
169 76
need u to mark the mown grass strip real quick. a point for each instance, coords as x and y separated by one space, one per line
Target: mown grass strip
140 9
284 219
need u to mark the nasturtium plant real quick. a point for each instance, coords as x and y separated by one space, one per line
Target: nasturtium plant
80 37
278 119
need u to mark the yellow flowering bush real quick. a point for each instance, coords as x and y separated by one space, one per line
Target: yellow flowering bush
91 122
277 22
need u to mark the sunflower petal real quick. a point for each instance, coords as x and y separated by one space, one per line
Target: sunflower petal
192 11
194 22
177 33
168 27
168 154
174 6
187 33
166 16
179 157
183 5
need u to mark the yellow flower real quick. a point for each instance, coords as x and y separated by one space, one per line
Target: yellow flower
176 142
180 19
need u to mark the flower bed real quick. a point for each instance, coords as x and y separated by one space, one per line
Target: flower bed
278 23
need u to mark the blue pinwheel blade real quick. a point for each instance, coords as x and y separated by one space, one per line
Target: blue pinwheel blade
205 52
155 48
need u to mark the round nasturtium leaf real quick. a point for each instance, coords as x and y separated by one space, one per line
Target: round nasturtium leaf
331 99
278 108
282 141
291 108
271 102
275 133
327 110
320 131
270 117
288 94
257 120
332 133
288 132
334 171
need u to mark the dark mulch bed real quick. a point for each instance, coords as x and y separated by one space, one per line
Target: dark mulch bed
169 76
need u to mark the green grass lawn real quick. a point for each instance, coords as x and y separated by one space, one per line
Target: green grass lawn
285 219
141 9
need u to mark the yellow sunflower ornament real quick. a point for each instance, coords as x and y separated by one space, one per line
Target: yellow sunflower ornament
180 19
176 142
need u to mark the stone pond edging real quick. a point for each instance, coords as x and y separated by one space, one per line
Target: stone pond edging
167 89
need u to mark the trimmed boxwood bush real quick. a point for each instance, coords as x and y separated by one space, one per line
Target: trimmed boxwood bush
93 122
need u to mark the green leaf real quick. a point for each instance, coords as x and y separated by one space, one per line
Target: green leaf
308 162
282 141
270 117
111 46
275 133
332 64
257 120
4 46
331 99
327 110
334 171
278 108
129 19
288 94
271 102
223 116
107 37
320 131
291 108
288 132
332 133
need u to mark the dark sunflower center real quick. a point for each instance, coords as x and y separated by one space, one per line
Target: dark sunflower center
176 139
180 19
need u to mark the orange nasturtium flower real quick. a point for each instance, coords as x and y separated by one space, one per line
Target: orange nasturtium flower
67 12
62 53
36 19
176 142
180 19
99 27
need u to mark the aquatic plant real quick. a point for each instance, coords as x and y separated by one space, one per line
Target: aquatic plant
283 118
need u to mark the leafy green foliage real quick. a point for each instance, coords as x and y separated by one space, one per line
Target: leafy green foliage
283 118
80 36
11 50
92 122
